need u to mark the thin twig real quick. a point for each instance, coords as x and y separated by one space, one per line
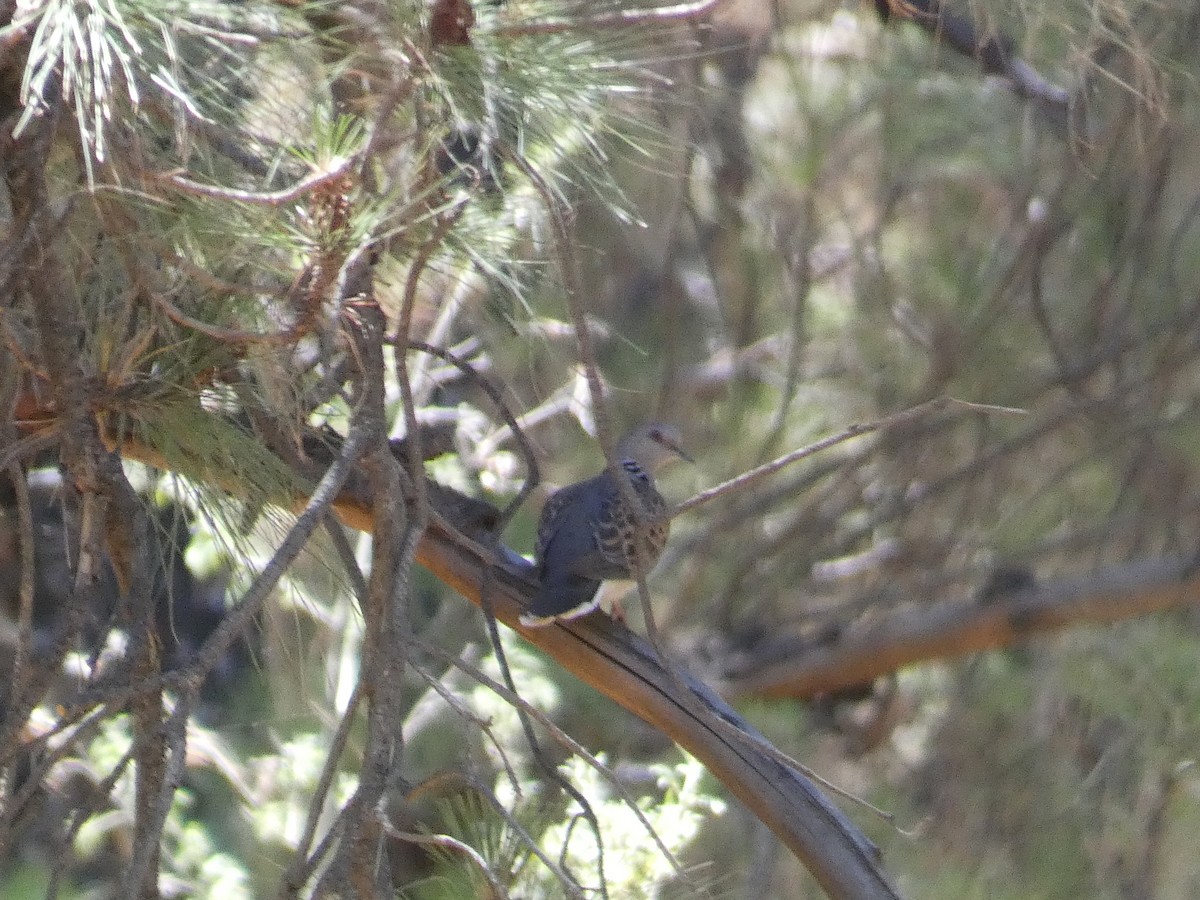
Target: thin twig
928 408
454 300
416 467
25 538
101 792
552 407
303 864
163 738
533 475
28 446
239 618
337 167
460 708
625 18
17 339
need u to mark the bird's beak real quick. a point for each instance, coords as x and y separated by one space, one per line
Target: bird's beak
679 451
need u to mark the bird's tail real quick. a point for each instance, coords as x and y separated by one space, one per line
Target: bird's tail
561 599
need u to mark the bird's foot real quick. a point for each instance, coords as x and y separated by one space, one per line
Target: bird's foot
618 612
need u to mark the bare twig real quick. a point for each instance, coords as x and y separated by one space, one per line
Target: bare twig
533 475
459 706
928 408
240 617
28 446
301 869
25 612
80 815
624 18
416 471
289 335
335 169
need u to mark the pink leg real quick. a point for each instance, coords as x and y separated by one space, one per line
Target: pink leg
618 612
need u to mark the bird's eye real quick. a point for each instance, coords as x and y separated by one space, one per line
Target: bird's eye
656 435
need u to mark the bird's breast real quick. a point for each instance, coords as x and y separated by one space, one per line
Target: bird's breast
623 540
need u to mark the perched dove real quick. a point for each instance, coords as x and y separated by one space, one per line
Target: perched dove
588 534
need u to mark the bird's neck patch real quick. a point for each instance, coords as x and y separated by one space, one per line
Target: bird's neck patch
636 473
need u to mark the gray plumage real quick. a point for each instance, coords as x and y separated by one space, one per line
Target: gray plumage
588 534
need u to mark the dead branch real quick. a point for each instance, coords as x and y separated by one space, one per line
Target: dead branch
956 629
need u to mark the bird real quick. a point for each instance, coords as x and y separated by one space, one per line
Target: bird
587 532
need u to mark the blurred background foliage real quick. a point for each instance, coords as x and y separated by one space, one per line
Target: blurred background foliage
790 217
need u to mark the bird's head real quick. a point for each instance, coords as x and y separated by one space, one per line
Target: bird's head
652 445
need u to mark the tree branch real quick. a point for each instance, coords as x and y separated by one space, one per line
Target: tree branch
626 669
955 629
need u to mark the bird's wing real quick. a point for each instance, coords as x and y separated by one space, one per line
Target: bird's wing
567 530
